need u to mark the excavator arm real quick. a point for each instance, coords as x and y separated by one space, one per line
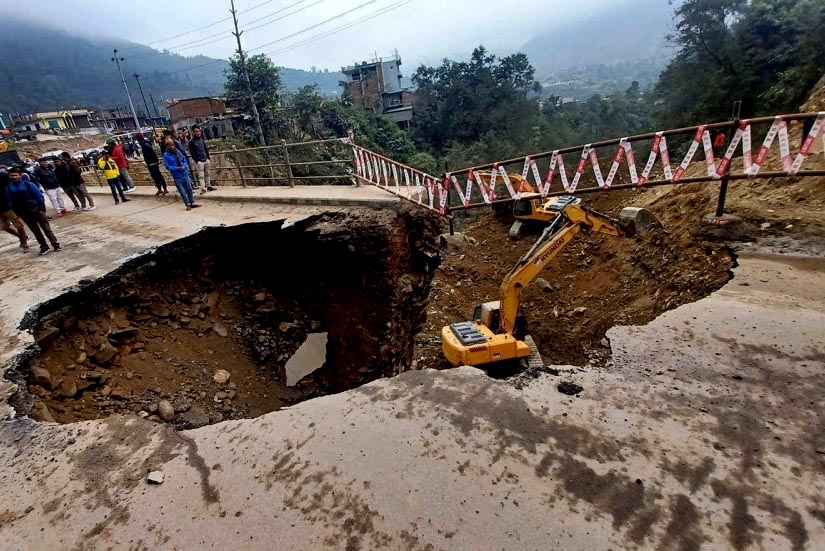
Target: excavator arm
490 336
570 220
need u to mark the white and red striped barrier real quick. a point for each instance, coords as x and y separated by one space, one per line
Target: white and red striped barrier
473 187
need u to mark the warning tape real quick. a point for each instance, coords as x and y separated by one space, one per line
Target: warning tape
694 146
384 172
659 149
805 150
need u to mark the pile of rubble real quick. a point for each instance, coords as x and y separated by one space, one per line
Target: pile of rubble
141 356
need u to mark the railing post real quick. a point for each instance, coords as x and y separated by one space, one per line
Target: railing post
237 157
288 166
723 188
355 165
96 170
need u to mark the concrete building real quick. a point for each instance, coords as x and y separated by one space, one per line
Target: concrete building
211 114
119 118
69 120
375 86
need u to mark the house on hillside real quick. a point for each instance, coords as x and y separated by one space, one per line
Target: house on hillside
67 120
211 114
375 86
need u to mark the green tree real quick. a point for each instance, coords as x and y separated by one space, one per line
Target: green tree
265 79
766 53
464 101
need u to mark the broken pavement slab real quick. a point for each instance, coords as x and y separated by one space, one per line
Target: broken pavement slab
455 460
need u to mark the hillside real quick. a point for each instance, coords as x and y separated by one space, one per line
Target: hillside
45 69
629 33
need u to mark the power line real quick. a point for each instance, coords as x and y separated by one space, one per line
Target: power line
340 15
311 39
285 16
199 28
226 34
336 30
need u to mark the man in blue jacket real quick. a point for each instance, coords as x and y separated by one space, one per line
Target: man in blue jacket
175 163
25 198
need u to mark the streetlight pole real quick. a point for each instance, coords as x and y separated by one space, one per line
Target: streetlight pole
117 60
146 105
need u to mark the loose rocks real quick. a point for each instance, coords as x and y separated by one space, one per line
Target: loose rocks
155 477
571 389
165 410
221 376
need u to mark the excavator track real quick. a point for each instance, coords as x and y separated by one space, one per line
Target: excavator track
534 360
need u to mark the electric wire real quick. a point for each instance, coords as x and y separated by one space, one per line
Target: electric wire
199 28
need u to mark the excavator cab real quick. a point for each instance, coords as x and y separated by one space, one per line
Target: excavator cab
531 207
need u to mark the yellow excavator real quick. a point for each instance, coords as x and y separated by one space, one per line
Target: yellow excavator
498 328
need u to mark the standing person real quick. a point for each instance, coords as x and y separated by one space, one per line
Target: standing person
44 175
119 158
25 199
112 173
61 172
200 156
175 163
153 164
9 221
79 184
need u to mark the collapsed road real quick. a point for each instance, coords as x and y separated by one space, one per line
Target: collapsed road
703 430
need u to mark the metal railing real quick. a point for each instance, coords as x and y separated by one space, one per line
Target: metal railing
588 175
408 183
315 161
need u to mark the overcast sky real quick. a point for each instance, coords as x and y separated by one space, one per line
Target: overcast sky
421 30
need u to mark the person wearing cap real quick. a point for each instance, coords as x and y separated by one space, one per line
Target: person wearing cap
78 183
153 164
175 163
45 176
112 173
9 221
117 155
25 198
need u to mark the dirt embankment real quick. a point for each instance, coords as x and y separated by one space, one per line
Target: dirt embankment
595 283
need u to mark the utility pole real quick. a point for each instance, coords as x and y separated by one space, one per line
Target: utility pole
255 114
117 60
154 105
146 105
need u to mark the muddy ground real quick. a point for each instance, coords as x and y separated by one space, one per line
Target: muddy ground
595 283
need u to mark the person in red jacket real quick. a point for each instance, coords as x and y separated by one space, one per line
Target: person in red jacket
119 158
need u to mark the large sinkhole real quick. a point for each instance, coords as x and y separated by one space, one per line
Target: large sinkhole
235 322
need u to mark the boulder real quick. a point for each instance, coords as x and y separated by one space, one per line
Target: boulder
221 376
195 418
220 330
456 242
68 388
160 310
40 376
105 354
166 411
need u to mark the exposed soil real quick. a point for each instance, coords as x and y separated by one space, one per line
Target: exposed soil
595 283
241 300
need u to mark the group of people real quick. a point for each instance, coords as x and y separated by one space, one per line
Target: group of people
22 202
115 166
23 192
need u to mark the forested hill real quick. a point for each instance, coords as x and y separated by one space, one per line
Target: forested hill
44 69
629 32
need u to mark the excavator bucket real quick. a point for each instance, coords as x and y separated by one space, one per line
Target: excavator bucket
638 220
